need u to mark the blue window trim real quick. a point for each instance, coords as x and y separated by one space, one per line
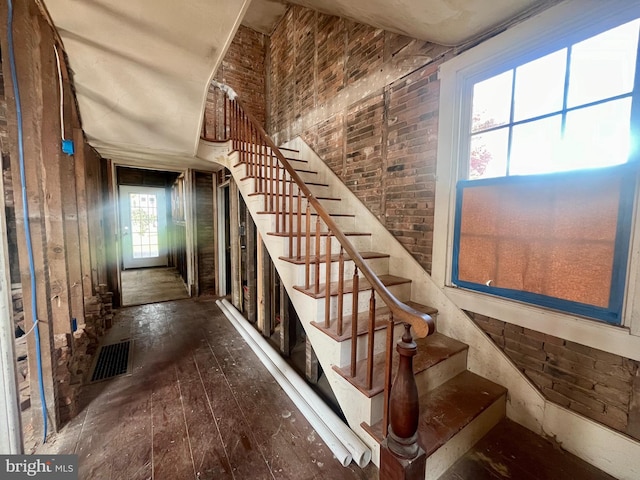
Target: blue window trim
613 313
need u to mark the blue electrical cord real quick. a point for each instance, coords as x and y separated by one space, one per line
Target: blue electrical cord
25 207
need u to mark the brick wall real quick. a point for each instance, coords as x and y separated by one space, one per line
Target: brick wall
243 68
366 100
594 383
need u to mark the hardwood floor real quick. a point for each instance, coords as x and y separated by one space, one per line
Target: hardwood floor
198 404
148 285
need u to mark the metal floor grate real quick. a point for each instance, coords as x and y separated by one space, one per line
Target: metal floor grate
113 360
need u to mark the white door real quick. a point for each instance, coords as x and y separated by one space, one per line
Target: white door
143 224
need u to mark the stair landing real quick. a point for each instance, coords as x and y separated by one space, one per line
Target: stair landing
510 451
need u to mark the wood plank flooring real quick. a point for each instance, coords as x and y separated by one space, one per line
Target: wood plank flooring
148 285
198 404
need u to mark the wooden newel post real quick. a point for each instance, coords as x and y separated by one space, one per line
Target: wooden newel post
400 455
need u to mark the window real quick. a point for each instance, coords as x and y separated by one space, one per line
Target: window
537 163
567 110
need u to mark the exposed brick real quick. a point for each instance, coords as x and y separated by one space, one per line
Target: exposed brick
563 352
622 372
512 331
524 361
576 347
540 379
497 339
587 372
580 395
533 334
568 377
612 417
553 340
525 349
556 397
613 396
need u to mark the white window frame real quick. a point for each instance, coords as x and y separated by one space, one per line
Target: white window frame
568 22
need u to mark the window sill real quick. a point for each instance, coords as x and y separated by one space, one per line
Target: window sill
609 338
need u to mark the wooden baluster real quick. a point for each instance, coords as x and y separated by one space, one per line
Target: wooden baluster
284 199
291 215
307 248
267 174
400 454
225 135
340 290
371 341
388 370
256 160
299 226
327 270
317 276
277 196
354 322
273 178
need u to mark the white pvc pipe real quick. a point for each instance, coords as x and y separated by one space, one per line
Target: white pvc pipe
360 452
335 445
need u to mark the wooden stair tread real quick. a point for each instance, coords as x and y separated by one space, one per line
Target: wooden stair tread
432 350
382 316
447 409
334 258
387 280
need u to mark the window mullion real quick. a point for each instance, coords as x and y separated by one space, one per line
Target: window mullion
511 119
567 79
634 123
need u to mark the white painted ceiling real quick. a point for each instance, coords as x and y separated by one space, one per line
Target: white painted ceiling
142 67
447 22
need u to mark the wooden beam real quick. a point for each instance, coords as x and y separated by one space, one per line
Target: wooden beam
287 327
234 228
251 264
88 288
28 54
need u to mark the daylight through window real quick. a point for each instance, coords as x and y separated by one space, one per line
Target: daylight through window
568 110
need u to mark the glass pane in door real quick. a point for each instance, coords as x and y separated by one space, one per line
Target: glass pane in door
144 225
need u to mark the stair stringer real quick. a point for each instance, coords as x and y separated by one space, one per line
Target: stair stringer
612 452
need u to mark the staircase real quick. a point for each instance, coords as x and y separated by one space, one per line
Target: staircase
346 284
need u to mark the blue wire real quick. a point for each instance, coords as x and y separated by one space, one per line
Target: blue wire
25 207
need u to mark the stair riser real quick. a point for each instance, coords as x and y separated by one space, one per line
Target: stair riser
443 458
426 380
402 292
346 224
360 242
379 346
380 266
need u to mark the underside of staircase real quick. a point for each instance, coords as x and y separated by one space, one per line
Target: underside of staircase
457 407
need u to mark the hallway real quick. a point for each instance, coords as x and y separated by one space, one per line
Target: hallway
197 404
141 286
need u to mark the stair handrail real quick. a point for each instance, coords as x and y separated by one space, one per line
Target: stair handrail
422 323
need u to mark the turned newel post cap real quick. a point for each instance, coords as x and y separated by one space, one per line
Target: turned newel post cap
407 347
